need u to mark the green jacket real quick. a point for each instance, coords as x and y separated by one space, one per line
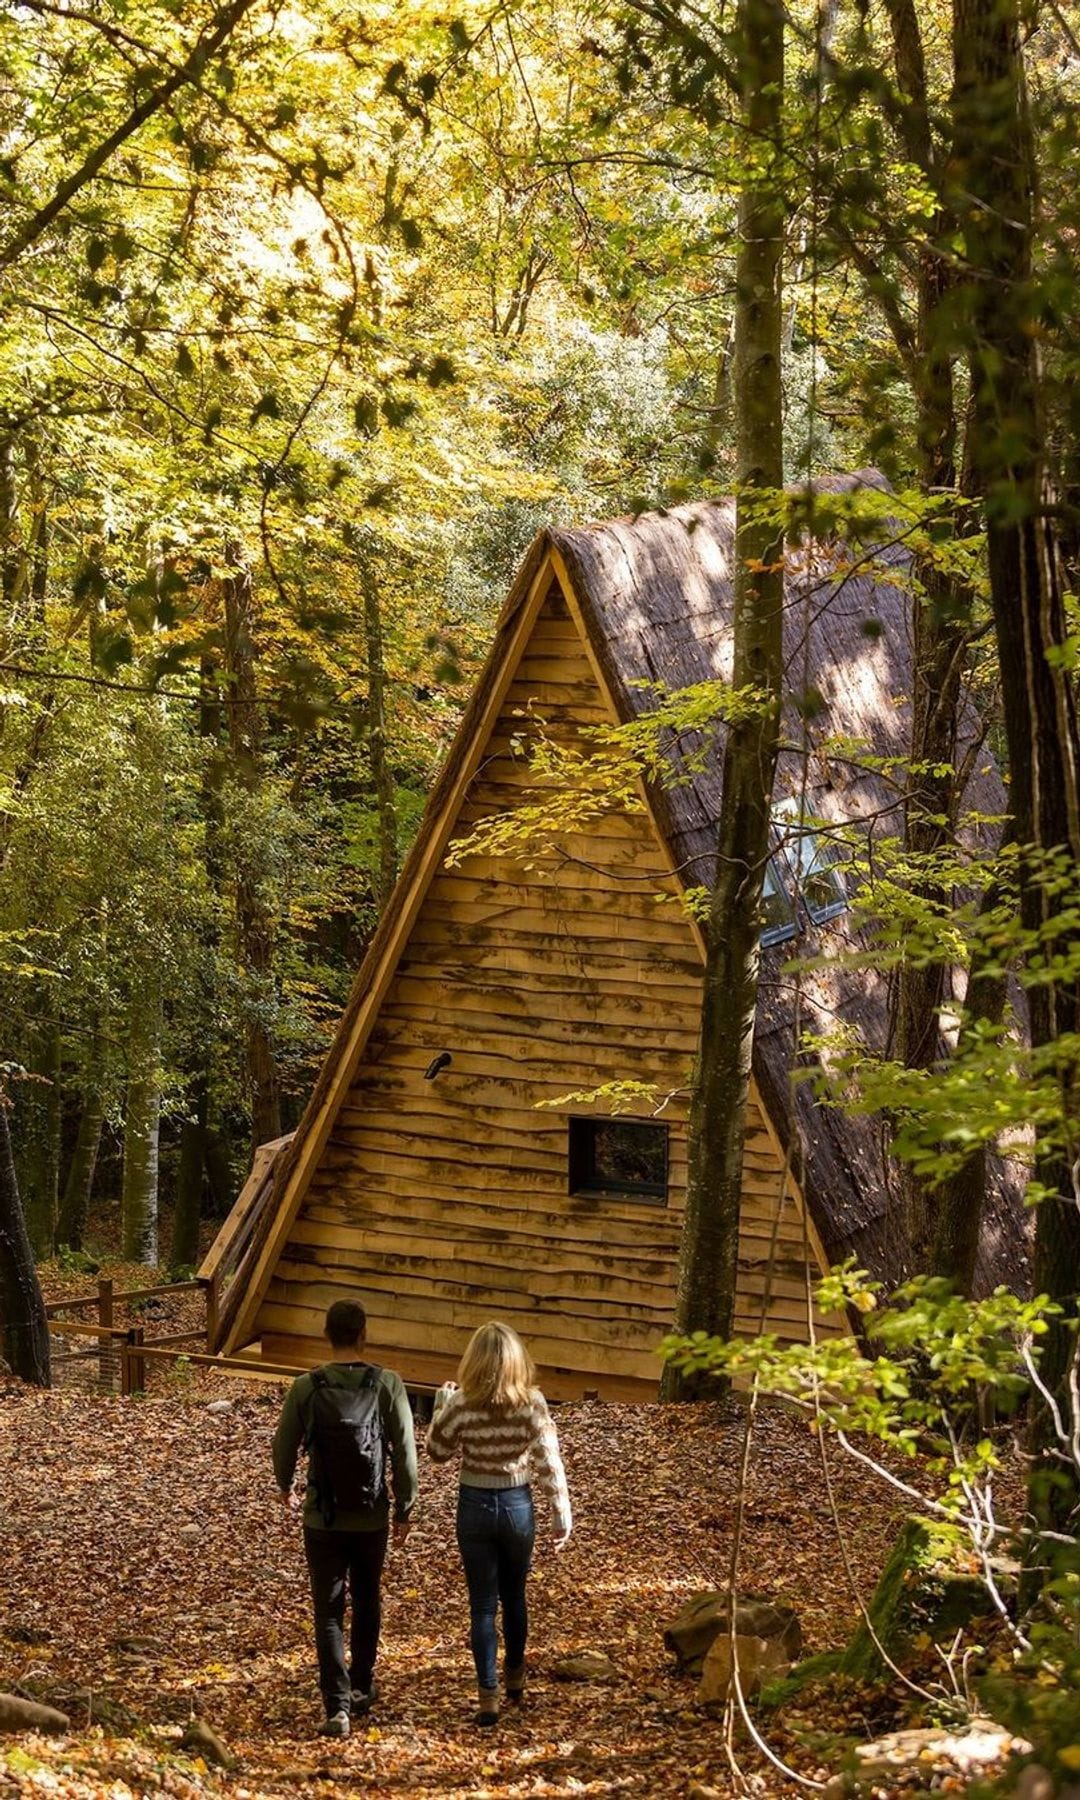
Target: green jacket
397 1432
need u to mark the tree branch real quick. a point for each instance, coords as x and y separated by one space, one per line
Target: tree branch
205 47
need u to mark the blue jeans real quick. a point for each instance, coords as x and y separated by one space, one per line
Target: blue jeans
495 1531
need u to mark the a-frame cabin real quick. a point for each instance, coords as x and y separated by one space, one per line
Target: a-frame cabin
439 1171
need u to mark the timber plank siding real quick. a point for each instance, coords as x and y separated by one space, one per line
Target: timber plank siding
442 1202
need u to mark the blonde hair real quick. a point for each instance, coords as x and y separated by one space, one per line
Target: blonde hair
496 1369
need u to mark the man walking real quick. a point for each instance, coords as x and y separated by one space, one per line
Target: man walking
349 1415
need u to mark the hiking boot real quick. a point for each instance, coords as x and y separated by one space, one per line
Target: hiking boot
336 1726
489 1708
515 1685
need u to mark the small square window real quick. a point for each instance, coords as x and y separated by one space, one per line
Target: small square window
619 1157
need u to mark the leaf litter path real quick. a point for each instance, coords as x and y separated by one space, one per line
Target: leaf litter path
147 1572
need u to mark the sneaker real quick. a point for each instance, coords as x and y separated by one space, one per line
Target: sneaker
363 1699
336 1726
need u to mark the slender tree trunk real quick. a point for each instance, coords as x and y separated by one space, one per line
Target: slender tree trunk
142 1125
39 535
994 176
254 922
219 1174
195 1136
708 1254
187 1213
941 649
960 1198
24 1330
75 1201
381 773
10 545
40 1124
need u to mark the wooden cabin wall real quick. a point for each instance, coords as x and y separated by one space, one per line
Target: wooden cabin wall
443 1203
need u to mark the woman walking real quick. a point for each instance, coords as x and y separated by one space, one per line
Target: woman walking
498 1419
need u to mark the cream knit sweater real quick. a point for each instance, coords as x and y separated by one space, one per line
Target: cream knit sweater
504 1449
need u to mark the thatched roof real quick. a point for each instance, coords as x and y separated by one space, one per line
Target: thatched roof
656 593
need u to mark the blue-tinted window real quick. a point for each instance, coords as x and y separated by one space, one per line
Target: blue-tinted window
813 861
778 920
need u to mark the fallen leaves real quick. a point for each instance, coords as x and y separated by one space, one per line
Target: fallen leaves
150 1575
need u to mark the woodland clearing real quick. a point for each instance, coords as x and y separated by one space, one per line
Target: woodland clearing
150 1575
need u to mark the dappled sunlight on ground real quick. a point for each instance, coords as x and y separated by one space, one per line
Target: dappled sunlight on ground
149 1572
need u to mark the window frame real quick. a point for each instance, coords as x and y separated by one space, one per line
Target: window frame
583 1183
822 861
788 928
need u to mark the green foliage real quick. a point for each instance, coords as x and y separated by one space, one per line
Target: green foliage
932 1364
1036 1694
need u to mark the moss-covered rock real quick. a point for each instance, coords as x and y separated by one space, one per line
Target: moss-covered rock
928 1591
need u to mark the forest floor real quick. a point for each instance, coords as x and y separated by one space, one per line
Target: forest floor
149 1574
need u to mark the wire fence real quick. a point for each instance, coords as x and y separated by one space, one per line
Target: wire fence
96 1339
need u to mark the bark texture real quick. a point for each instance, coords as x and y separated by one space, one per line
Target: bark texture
142 1124
950 1215
708 1256
255 927
381 774
24 1330
993 175
79 1183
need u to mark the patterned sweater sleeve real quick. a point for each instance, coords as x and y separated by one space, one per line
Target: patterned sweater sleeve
445 1428
547 1468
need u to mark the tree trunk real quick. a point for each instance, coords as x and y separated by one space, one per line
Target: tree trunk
708 1253
187 1213
39 534
10 544
254 923
142 1123
194 1135
24 1330
219 1175
959 1199
941 645
381 774
75 1202
42 1119
994 176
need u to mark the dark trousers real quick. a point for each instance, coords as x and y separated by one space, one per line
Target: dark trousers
495 1531
336 1560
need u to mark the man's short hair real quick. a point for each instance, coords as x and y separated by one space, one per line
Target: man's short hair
346 1323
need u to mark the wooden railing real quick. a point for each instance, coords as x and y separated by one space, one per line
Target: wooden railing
122 1356
119 1348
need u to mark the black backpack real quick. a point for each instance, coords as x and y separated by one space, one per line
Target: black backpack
345 1445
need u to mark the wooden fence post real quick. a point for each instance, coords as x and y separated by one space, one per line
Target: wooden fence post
107 1352
133 1366
211 1291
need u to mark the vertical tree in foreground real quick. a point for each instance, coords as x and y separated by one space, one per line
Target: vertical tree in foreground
993 172
708 1255
255 925
24 1331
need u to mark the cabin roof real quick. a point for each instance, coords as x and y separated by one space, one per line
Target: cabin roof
657 598
655 595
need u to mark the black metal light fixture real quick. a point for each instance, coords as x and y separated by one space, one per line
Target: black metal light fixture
437 1064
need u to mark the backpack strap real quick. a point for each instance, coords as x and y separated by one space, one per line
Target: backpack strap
318 1381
